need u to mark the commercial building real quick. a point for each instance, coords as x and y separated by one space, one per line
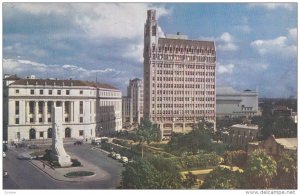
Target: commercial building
89 109
179 79
232 103
240 135
133 103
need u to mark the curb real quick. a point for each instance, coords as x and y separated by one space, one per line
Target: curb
51 175
95 148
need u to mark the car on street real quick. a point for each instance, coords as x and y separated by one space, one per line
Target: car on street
4 154
112 154
118 157
124 159
24 156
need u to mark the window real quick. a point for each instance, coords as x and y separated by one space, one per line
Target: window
40 120
66 119
31 120
58 92
17 120
17 90
81 133
32 91
17 107
40 104
81 120
49 106
31 107
18 135
42 134
50 92
81 107
81 92
41 92
68 92
49 120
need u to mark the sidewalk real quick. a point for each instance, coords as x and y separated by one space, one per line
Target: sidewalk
58 173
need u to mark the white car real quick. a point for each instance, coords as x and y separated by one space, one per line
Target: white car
24 156
4 154
124 159
118 157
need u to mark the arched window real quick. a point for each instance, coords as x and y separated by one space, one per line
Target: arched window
67 132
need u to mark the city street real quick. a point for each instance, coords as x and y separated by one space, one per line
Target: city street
23 175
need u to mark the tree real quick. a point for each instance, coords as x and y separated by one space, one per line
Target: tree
286 172
190 180
200 138
261 168
169 176
223 178
237 158
139 175
146 133
153 173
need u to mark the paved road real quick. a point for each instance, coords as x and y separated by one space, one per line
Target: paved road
23 175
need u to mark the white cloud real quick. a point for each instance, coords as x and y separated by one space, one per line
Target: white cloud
226 42
26 67
293 33
225 69
284 46
134 51
273 6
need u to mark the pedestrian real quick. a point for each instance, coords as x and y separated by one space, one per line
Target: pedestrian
85 139
44 165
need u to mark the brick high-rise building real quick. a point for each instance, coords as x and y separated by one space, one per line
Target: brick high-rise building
179 79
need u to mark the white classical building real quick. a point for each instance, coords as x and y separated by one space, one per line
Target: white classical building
89 109
232 103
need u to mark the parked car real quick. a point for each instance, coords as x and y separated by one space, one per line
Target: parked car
4 154
124 159
118 157
21 145
24 156
33 146
112 154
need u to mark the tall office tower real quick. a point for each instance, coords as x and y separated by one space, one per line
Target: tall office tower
133 104
179 79
135 91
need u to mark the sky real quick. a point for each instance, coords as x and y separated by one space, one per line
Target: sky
256 43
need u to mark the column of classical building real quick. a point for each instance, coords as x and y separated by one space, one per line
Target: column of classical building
45 111
36 111
27 112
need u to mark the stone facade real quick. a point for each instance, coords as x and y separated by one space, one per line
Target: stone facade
240 135
89 109
133 103
179 79
274 147
232 103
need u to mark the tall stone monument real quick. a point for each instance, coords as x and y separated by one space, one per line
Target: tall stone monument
58 151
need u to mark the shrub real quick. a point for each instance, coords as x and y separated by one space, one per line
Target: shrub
75 163
238 158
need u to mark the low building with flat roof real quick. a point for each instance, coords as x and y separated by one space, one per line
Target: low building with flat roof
274 147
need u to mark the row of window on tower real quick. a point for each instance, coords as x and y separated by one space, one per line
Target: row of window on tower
181 49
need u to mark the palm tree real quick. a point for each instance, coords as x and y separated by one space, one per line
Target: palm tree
260 170
287 172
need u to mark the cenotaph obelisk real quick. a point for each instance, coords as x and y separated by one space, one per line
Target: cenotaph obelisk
58 151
